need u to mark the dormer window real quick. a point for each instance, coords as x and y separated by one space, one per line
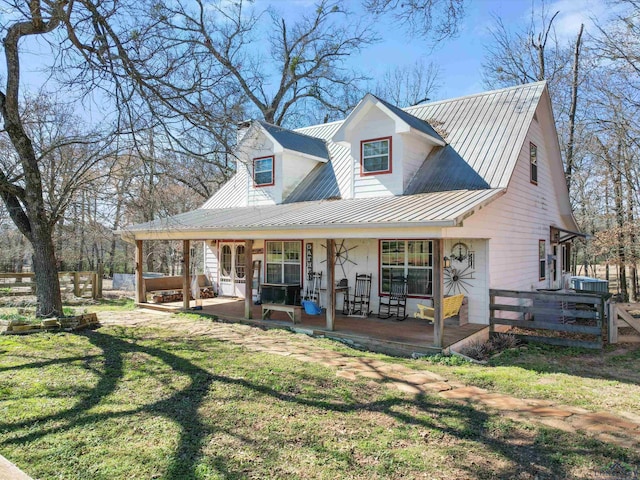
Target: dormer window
263 172
375 156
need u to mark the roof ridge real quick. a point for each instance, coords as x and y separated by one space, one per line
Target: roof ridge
473 95
408 109
264 122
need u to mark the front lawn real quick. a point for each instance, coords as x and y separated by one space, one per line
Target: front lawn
123 403
607 380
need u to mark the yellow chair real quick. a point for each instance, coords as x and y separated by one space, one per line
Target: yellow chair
450 308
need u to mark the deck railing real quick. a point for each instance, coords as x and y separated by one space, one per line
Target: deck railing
557 318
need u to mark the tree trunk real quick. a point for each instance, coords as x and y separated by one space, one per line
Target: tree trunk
620 219
572 110
46 274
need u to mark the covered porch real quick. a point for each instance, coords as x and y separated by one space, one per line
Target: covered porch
411 336
416 334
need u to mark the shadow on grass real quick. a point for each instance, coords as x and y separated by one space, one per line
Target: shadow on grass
620 363
434 415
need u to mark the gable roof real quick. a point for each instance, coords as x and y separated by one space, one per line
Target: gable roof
404 120
485 131
295 141
414 122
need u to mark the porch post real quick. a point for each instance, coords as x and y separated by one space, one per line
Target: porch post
186 291
438 280
248 275
330 312
141 295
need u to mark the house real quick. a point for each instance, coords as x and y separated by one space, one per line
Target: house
459 196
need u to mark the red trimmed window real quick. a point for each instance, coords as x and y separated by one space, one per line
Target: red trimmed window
375 156
407 258
263 171
533 161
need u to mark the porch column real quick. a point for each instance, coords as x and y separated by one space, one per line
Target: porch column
186 291
330 312
141 295
438 280
248 275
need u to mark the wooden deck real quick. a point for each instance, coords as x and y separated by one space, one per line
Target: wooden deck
386 336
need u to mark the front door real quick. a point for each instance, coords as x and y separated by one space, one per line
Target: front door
232 269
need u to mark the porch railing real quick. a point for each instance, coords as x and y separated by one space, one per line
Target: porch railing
556 318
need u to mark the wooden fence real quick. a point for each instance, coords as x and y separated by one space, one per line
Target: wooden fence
81 284
570 316
620 317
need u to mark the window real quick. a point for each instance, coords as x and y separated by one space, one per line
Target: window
407 258
376 156
542 258
263 171
284 262
240 270
226 260
533 160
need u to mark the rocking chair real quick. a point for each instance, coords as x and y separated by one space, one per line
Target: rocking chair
357 305
394 304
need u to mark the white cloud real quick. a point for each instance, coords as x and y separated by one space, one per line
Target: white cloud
572 14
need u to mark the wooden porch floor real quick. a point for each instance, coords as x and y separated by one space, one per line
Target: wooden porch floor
386 336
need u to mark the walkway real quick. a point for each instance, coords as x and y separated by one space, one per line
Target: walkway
604 426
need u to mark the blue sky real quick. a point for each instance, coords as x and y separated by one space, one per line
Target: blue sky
460 59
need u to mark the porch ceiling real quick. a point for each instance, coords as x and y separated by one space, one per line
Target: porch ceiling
321 218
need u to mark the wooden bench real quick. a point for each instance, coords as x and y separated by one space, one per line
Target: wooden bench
293 311
450 308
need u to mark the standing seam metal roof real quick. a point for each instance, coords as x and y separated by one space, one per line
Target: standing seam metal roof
484 133
440 208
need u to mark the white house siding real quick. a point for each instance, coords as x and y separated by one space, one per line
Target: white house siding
517 221
376 124
211 264
414 152
475 276
292 170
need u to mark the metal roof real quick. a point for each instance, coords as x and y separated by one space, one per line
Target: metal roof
324 182
232 194
430 209
486 130
414 122
445 170
297 141
484 133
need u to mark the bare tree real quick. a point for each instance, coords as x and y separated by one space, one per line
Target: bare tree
35 203
409 85
435 19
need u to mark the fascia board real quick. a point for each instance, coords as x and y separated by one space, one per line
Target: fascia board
370 230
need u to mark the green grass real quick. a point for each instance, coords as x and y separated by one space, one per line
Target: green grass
596 380
120 304
119 403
